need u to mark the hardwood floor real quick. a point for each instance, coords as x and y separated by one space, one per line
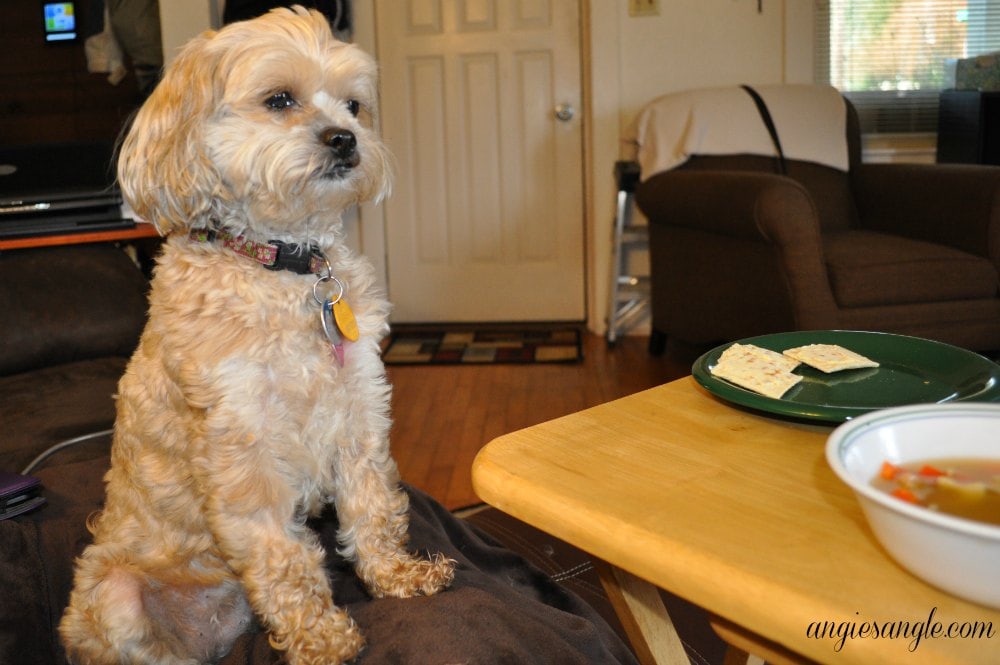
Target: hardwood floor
444 414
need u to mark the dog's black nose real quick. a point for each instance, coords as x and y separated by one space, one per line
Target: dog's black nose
341 141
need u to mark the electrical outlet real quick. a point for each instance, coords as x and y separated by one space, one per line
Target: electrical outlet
643 7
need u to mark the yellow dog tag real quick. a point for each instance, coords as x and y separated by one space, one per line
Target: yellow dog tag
346 323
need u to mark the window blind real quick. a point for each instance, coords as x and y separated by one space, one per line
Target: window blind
892 58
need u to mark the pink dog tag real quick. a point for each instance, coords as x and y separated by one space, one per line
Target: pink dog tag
338 353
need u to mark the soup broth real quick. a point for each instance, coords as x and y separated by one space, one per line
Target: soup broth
968 488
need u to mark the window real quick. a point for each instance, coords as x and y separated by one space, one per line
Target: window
891 58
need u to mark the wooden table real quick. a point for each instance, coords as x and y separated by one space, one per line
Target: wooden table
735 511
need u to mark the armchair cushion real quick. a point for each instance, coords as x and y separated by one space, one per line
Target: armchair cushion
953 204
868 268
41 408
50 312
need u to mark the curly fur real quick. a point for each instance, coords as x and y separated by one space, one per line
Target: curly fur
235 423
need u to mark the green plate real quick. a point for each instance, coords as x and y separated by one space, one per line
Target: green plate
911 371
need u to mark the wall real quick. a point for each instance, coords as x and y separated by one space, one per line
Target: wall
180 20
698 43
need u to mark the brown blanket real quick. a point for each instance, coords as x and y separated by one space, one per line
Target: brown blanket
499 609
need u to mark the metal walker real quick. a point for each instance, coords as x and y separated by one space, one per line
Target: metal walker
629 293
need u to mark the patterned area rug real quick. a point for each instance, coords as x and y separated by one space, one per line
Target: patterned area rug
459 347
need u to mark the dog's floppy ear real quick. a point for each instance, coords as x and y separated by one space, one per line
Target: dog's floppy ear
163 170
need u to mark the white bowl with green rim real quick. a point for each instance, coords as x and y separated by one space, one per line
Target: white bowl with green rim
955 554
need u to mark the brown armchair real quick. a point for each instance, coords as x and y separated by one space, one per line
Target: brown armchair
737 250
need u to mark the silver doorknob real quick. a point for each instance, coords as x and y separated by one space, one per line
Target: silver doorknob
564 112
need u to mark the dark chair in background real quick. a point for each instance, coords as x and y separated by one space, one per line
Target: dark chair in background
737 249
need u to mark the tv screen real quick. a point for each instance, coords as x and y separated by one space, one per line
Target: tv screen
60 21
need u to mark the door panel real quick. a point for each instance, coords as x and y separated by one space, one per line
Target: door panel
486 220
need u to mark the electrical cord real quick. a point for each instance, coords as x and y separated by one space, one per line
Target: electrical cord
52 450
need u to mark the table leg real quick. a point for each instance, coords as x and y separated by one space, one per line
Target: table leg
743 642
643 615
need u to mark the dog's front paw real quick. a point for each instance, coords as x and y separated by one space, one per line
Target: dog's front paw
334 640
411 576
432 575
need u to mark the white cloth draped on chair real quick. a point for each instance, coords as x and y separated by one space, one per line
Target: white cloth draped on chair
725 121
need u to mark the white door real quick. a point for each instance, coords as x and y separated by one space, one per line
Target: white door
481 107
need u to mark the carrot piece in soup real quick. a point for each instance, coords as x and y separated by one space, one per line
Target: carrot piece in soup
931 471
905 495
889 470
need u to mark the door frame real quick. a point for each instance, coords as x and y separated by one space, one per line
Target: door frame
599 67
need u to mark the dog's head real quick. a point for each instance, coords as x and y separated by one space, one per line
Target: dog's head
264 127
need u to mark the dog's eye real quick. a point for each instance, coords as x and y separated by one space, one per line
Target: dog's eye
280 101
354 106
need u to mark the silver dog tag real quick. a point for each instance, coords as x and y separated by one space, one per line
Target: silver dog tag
330 330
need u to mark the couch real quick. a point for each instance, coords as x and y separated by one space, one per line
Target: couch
742 243
70 318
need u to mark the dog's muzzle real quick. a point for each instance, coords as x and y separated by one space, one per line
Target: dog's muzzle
344 146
